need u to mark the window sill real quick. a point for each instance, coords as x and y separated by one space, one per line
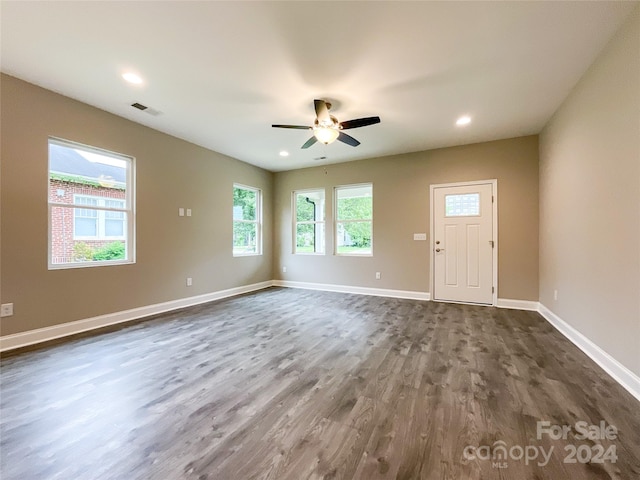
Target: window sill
107 263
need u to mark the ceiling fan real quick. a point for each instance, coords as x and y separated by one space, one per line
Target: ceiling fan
327 129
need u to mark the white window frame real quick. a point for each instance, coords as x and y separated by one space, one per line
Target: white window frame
101 218
257 222
294 209
129 209
337 221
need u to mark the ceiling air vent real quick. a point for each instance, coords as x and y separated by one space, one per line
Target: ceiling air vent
145 109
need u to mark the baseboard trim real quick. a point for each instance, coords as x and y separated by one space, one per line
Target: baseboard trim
376 292
518 304
23 339
620 373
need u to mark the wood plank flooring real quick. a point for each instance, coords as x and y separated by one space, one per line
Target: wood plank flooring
294 384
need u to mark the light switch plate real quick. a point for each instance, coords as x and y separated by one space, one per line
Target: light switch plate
181 212
420 236
188 212
6 310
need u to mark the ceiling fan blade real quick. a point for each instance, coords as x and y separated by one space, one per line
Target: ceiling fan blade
349 140
359 122
299 127
322 112
310 142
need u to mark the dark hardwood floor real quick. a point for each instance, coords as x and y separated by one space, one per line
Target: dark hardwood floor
295 384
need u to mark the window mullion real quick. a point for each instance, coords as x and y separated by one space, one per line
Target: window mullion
101 225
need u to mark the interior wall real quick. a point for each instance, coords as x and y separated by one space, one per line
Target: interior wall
401 208
170 172
590 202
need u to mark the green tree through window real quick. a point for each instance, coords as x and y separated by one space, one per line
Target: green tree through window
354 219
246 220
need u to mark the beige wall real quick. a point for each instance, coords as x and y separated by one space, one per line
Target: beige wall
401 208
590 202
171 173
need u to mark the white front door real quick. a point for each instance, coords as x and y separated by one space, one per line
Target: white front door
463 243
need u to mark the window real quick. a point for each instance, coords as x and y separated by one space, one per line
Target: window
91 214
354 219
92 224
309 221
246 221
85 224
462 205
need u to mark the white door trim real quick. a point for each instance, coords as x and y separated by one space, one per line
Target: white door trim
494 204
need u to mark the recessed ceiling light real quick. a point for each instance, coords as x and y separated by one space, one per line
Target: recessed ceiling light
132 78
284 153
464 120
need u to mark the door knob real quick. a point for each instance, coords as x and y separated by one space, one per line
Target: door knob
439 249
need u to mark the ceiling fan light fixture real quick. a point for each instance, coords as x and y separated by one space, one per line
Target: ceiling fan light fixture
326 135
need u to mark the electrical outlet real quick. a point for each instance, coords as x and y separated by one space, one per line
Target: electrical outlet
377 275
188 212
555 294
6 310
284 269
189 281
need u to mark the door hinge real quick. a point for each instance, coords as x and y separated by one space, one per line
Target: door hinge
493 289
493 244
492 198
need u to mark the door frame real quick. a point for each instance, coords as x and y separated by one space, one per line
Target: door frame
494 205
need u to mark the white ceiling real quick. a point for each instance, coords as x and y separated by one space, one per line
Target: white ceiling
222 72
